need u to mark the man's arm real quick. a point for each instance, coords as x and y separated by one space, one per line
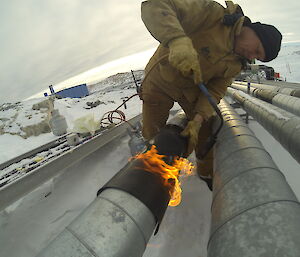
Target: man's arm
217 88
170 19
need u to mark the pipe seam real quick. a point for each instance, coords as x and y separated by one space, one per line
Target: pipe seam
244 211
85 244
241 173
246 148
137 225
231 137
283 125
234 126
238 135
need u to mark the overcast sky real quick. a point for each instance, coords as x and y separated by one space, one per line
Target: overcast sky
45 42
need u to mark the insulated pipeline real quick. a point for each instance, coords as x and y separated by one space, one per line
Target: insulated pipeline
254 211
286 90
286 102
115 224
243 88
121 220
255 85
282 125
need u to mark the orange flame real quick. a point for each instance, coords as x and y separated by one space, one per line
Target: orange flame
181 168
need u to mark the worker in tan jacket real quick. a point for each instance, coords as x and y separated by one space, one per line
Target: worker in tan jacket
200 42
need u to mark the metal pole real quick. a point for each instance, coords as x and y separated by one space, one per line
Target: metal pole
138 87
51 90
254 211
248 92
124 101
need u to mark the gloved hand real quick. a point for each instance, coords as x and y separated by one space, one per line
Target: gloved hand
191 131
184 58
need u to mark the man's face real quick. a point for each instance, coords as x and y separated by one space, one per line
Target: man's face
248 45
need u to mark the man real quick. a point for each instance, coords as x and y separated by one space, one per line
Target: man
200 42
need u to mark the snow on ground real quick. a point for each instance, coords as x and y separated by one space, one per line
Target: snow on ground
15 116
110 94
12 146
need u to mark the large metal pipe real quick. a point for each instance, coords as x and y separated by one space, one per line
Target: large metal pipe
115 224
244 88
254 211
291 90
286 102
296 93
256 85
121 220
282 125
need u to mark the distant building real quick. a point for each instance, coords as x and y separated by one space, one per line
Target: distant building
72 92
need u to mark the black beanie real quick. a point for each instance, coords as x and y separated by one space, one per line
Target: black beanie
270 38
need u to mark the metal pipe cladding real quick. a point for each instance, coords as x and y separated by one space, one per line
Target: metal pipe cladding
128 208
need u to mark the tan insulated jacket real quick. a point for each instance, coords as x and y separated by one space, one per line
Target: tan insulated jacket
200 20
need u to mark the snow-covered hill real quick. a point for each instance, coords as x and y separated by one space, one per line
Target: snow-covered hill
104 96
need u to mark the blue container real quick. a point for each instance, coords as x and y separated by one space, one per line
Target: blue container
74 92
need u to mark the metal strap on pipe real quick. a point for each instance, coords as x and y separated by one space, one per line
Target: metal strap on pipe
254 211
282 125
